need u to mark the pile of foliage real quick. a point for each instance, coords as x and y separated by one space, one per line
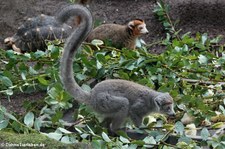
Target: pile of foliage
191 69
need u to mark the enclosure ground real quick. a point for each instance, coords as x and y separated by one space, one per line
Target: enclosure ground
205 16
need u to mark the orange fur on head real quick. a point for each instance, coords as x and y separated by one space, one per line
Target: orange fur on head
138 22
134 25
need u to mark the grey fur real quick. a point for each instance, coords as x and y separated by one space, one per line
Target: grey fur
115 99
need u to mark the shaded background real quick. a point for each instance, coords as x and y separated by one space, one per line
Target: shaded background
195 16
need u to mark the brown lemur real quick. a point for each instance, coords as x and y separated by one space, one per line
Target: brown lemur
120 35
114 99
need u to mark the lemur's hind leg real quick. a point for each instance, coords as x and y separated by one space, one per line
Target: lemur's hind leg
115 108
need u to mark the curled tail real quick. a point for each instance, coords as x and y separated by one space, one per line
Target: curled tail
71 46
66 13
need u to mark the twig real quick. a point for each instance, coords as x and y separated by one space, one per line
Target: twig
154 43
166 136
102 46
202 82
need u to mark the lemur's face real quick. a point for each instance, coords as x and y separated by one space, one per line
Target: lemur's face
142 28
165 104
138 27
168 110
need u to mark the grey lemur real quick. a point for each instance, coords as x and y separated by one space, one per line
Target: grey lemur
114 99
120 35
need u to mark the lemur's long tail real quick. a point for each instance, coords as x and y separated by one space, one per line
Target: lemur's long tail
71 46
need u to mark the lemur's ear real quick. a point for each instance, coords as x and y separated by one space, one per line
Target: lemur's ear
163 99
169 99
158 101
131 24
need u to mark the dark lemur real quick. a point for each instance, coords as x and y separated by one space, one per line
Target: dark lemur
114 99
33 33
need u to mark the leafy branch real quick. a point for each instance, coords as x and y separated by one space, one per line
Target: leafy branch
162 12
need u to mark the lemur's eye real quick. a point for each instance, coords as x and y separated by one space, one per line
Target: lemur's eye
140 28
166 107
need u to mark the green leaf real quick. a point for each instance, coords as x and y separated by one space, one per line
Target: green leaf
67 140
10 116
185 140
101 58
124 140
131 66
58 115
10 54
217 39
6 81
217 125
29 119
200 46
106 137
80 76
166 24
140 61
133 146
42 80
179 128
53 93
149 140
27 55
123 75
202 59
84 136
86 87
122 133
2 117
205 134
96 144
222 109
54 51
114 53
39 54
23 76
214 144
63 130
32 71
37 124
2 109
79 130
4 124
99 65
17 126
54 135
204 38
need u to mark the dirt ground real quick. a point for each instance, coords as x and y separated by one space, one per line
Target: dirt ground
205 16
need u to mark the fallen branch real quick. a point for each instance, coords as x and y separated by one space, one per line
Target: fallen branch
202 82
